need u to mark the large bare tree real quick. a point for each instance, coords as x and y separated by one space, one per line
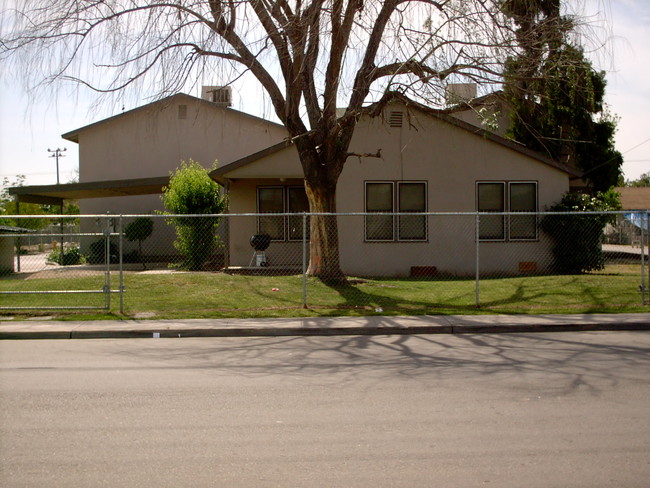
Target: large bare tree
310 57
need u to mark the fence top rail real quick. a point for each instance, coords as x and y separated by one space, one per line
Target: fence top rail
104 217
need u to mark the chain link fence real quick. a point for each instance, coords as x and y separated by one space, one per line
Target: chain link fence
289 264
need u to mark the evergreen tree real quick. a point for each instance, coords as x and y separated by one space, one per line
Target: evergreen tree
557 97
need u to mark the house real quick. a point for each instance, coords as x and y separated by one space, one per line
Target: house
131 154
150 141
430 162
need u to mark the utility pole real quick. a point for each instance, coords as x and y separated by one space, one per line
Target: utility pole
57 154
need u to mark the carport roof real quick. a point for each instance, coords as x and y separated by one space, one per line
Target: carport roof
55 194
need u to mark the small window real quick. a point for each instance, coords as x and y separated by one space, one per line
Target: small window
523 198
491 198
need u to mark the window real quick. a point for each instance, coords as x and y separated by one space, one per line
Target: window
491 198
382 197
379 198
523 198
279 200
297 203
500 197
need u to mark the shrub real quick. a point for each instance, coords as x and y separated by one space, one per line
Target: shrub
97 252
191 191
71 256
139 230
577 239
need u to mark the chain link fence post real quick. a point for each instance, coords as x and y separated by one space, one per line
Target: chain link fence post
643 254
304 260
107 263
120 227
477 270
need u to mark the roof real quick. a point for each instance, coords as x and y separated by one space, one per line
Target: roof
54 194
440 114
635 198
74 134
12 229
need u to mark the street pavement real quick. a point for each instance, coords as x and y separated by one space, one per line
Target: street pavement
563 410
311 326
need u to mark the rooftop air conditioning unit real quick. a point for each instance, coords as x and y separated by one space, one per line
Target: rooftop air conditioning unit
217 94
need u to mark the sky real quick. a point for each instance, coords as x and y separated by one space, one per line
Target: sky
29 126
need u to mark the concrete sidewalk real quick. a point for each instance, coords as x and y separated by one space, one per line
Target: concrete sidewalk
371 325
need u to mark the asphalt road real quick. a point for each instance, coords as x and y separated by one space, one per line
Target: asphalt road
512 410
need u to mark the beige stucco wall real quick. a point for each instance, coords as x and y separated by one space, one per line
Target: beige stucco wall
451 161
153 140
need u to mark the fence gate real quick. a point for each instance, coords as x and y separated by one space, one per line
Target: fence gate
46 260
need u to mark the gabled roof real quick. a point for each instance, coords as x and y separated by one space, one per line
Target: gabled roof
440 114
74 134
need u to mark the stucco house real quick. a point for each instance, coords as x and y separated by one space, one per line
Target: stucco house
131 154
430 162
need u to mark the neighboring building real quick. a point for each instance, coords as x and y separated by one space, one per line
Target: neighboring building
143 146
430 162
152 140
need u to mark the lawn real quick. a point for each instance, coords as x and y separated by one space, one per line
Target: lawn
206 295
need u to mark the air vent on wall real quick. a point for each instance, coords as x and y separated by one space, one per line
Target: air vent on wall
395 119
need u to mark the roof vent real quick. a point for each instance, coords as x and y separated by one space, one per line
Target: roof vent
221 95
395 118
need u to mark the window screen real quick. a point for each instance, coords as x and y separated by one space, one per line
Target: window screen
379 198
523 198
491 198
271 200
412 198
297 199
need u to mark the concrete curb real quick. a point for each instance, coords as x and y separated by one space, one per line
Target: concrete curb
375 325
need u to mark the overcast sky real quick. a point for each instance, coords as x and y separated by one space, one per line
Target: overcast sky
29 128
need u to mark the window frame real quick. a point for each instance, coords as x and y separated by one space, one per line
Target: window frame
287 235
507 209
395 218
534 211
401 184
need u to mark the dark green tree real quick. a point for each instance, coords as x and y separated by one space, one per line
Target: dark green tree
139 230
192 192
577 231
557 97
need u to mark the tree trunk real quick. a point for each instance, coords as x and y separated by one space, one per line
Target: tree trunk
324 237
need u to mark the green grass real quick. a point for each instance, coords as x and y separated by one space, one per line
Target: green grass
207 295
